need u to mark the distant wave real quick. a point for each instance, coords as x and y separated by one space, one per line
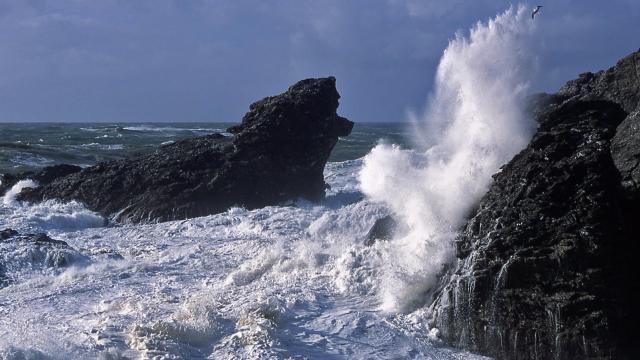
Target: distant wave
30 160
167 129
104 146
14 145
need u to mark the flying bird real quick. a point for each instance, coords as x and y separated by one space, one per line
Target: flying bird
536 11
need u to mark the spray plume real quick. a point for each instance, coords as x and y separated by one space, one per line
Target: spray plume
473 124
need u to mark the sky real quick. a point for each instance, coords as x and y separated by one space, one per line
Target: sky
207 60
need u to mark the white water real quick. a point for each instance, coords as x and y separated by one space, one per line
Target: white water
283 281
473 124
9 197
276 282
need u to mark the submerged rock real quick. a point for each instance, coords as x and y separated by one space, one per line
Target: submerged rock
545 266
277 153
21 253
383 229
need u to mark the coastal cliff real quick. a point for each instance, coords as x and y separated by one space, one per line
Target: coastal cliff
545 265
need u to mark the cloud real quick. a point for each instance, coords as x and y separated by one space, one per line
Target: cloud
200 60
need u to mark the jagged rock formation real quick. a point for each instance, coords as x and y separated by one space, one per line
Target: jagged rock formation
277 153
545 265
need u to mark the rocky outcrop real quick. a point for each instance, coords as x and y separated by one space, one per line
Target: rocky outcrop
44 176
277 153
27 252
619 84
545 265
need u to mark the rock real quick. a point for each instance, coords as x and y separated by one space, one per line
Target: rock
546 264
277 153
39 238
383 229
625 150
42 177
7 233
20 253
619 84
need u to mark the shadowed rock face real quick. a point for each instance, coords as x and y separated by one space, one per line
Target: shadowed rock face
625 149
277 153
546 265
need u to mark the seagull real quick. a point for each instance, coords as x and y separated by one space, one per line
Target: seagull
536 11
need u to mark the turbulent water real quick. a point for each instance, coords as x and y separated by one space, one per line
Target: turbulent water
473 124
279 282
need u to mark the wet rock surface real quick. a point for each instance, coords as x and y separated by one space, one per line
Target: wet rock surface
277 153
382 230
27 252
545 265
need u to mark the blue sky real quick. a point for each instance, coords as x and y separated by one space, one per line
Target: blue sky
207 60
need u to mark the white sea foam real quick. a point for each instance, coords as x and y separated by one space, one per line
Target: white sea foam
151 128
278 282
50 215
473 124
9 197
103 146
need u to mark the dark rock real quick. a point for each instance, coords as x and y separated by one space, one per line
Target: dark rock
625 150
546 265
39 238
620 84
42 252
42 177
541 103
277 153
7 233
383 229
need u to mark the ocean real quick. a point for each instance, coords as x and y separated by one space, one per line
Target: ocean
294 281
279 282
29 146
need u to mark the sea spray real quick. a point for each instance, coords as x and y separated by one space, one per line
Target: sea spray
9 198
472 125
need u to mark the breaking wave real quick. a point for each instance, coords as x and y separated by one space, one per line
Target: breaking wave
474 123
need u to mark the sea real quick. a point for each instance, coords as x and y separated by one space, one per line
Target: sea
280 282
29 146
293 281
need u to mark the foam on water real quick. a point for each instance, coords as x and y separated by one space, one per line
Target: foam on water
9 198
168 129
277 282
282 281
473 124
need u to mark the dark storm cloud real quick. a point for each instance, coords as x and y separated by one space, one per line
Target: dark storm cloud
164 60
